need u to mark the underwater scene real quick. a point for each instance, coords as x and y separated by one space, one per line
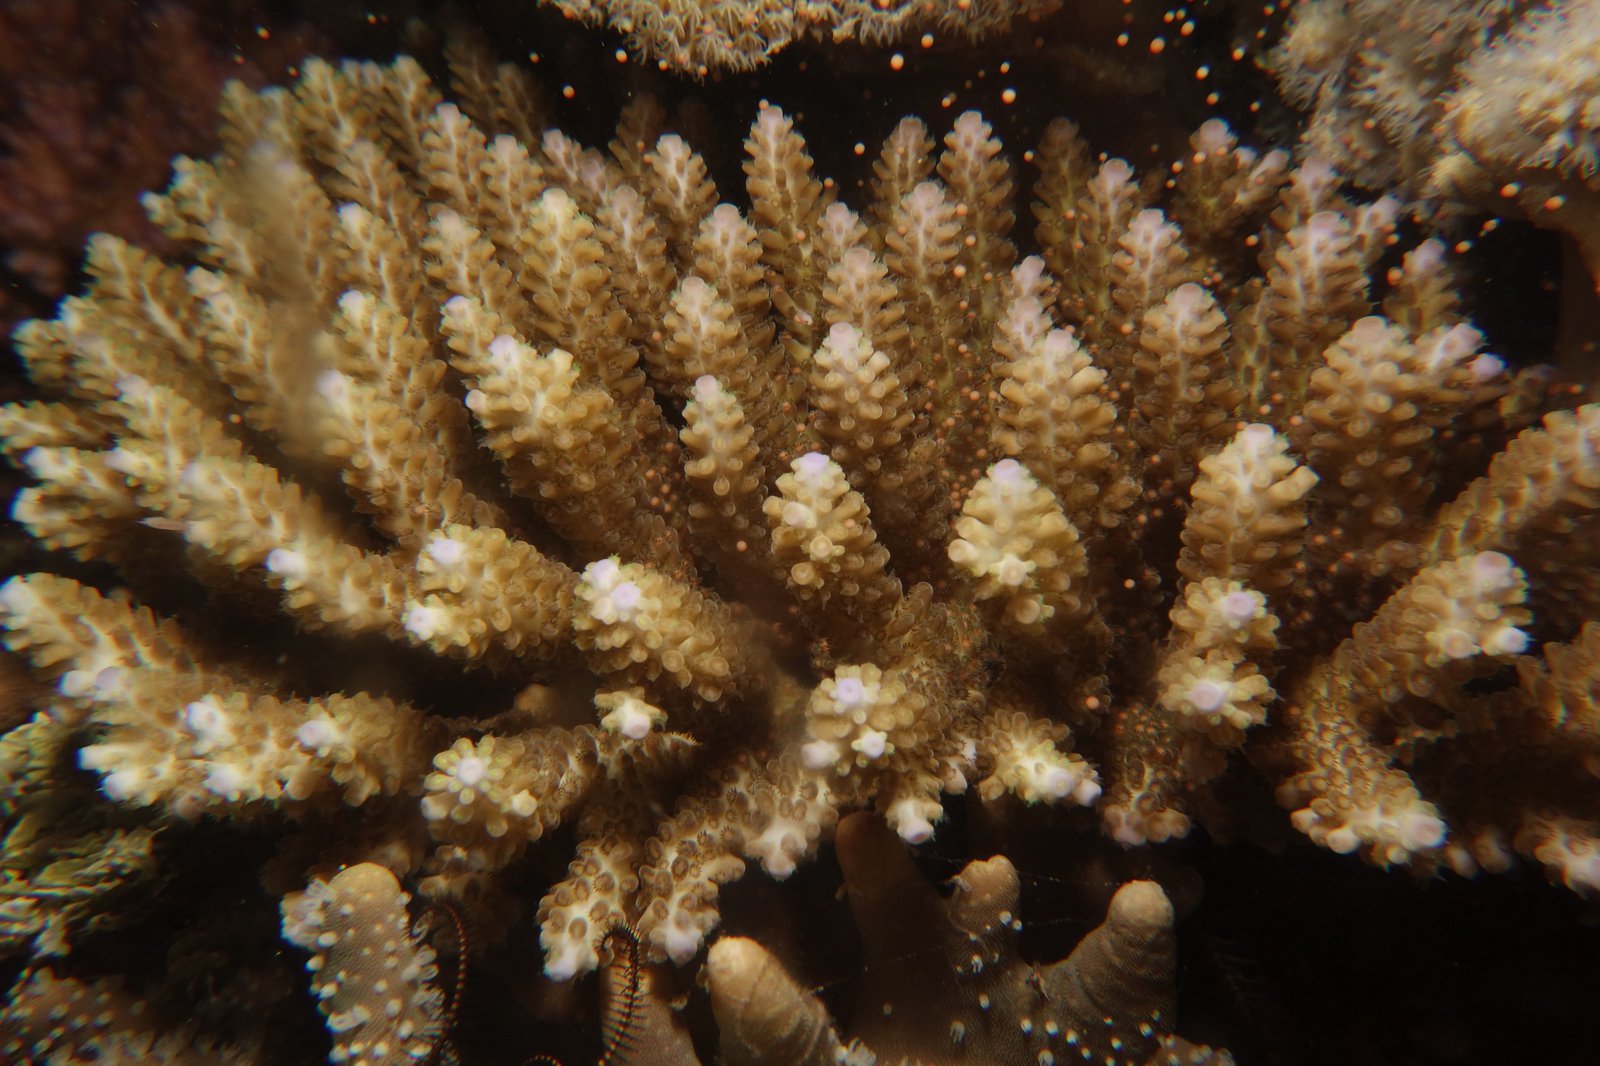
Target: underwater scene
899 532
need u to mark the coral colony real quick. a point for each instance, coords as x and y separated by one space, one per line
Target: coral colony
697 38
778 526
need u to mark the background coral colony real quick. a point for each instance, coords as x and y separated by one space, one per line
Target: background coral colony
850 532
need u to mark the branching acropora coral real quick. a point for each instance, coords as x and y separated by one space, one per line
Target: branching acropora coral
1460 102
793 510
373 978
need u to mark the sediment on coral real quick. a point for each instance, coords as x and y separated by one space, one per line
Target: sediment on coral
775 513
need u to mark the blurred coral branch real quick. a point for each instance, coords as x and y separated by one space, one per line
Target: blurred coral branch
1480 105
